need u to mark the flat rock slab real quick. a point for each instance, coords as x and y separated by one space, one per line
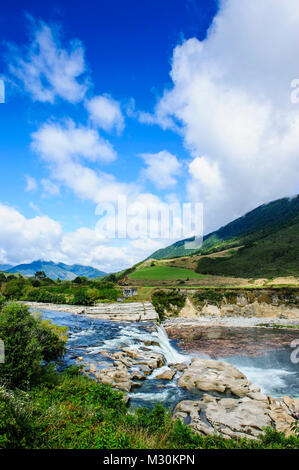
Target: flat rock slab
237 418
119 311
215 376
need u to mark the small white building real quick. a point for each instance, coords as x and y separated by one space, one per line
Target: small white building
129 291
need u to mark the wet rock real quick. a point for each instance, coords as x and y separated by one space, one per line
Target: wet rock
218 376
136 374
145 369
126 399
151 343
179 366
167 374
135 384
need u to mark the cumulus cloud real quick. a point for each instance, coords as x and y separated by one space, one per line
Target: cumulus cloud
162 168
67 149
47 69
105 112
60 142
24 239
230 101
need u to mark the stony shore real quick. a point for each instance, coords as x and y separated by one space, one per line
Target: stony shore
233 321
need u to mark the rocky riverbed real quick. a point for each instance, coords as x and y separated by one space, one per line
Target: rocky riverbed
210 395
247 337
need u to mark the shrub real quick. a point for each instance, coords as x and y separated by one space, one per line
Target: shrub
28 342
81 298
168 301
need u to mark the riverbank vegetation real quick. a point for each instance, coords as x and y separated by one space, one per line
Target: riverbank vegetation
43 408
39 288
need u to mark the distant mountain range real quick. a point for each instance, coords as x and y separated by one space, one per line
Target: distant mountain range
5 267
265 241
54 270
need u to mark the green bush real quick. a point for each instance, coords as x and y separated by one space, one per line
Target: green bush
81 298
168 301
28 342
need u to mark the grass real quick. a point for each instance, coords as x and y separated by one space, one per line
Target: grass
164 273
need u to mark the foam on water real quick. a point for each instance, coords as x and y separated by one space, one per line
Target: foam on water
270 381
172 356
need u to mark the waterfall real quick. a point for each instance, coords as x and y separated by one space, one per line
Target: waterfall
171 355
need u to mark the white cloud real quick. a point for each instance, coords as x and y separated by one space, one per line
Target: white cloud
162 167
31 184
231 103
61 142
105 113
66 148
23 240
50 188
46 69
26 239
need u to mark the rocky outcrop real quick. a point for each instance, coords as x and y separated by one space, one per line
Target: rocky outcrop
245 413
237 418
189 310
120 311
127 366
216 376
271 303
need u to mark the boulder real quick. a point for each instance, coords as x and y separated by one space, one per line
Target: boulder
215 376
167 374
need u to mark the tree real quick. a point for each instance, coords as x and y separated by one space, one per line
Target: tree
40 275
29 343
81 298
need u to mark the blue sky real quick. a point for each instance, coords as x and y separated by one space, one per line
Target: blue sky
159 102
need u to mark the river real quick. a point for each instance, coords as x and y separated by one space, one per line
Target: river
272 371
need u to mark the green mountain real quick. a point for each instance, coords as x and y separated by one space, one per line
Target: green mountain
267 240
56 270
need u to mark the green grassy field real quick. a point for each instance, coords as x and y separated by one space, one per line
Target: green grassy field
164 273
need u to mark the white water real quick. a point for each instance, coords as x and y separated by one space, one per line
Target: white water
171 355
269 380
